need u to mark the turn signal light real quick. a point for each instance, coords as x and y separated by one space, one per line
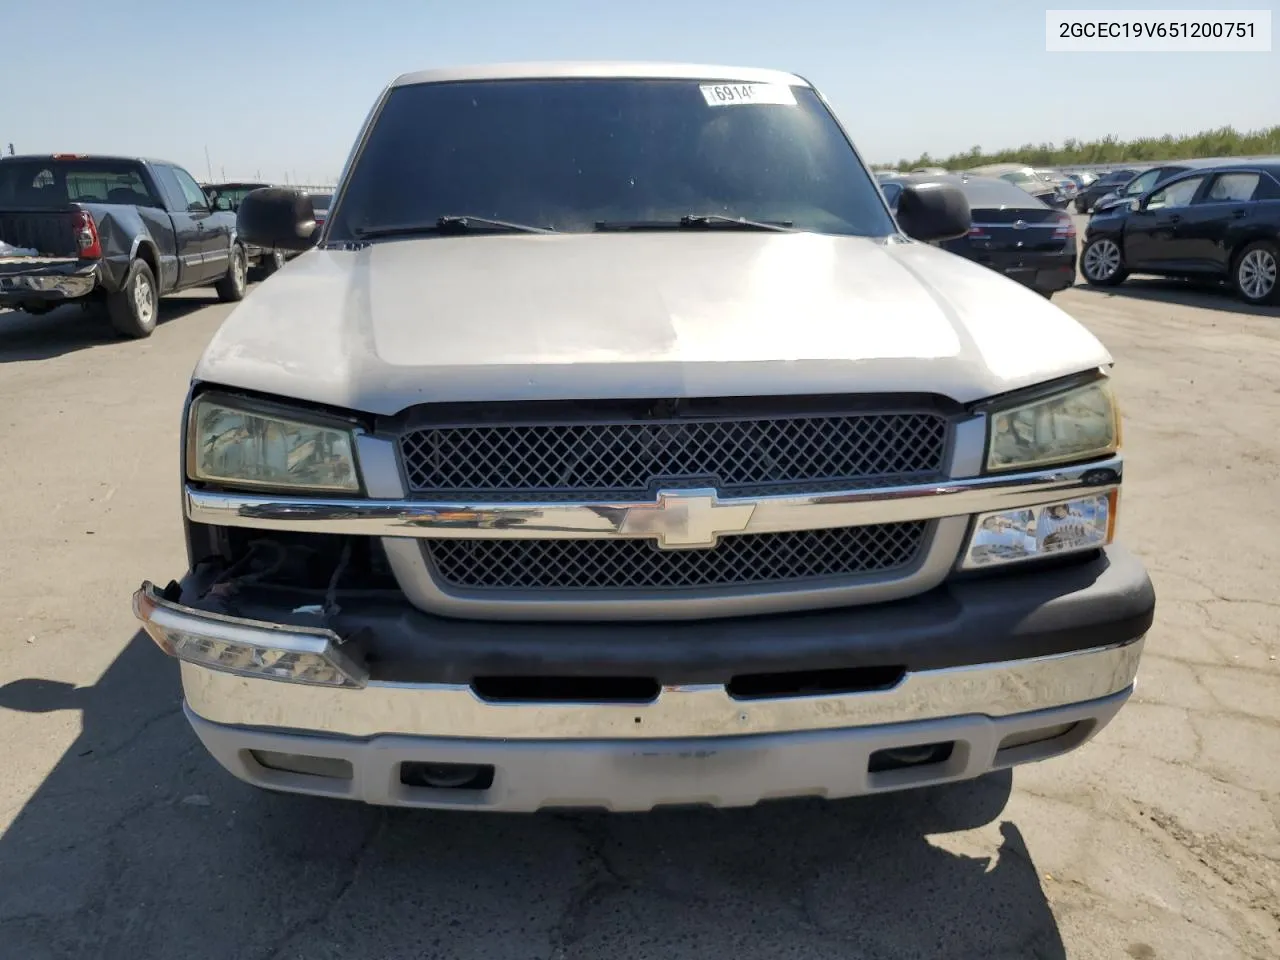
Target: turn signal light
249 648
1032 533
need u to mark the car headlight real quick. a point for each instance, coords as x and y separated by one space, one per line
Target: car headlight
1077 424
233 443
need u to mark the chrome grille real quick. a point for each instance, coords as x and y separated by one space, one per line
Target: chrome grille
636 564
739 456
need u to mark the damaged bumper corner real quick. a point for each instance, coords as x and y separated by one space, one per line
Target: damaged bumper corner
252 648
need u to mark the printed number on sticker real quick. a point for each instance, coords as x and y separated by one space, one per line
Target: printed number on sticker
728 94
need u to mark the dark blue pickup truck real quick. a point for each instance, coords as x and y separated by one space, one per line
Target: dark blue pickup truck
112 231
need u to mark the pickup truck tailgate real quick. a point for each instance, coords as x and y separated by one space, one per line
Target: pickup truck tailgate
56 272
50 232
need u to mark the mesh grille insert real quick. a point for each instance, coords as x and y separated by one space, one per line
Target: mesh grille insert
609 459
639 564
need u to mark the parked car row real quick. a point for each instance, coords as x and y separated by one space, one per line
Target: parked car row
1013 232
123 232
1047 191
1197 219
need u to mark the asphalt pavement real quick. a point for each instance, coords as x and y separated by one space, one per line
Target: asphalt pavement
122 839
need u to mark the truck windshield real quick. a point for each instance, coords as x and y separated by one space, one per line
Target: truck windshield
579 155
50 184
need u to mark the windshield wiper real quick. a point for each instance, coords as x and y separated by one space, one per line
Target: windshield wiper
447 224
703 221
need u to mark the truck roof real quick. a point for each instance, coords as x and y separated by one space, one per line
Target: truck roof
602 70
89 156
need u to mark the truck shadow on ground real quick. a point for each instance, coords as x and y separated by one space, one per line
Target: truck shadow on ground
138 845
24 336
1190 293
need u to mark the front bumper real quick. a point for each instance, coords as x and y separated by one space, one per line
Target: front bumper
1045 658
637 775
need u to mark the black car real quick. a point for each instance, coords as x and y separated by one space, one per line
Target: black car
1218 222
1105 184
1147 181
1012 232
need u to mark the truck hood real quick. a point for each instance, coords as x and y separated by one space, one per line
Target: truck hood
639 315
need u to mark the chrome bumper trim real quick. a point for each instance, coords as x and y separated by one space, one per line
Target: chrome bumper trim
704 710
704 518
68 285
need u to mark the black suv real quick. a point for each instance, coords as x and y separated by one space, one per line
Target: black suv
1220 222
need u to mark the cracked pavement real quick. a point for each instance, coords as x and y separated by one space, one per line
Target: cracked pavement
121 838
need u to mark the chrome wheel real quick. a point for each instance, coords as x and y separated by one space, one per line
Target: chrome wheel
238 271
1101 260
1257 274
144 299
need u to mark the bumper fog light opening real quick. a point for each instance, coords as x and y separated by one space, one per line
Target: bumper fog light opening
446 776
904 758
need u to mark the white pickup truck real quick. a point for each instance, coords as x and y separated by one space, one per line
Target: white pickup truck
613 445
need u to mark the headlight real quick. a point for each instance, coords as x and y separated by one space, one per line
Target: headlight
239 446
1074 425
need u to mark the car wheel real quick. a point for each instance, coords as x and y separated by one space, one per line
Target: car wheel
232 287
1255 273
1102 263
134 308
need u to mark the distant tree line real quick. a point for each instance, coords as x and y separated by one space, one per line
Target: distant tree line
1223 142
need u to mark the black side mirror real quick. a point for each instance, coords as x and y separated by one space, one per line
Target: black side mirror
933 211
277 217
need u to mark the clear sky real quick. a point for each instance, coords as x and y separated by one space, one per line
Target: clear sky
276 88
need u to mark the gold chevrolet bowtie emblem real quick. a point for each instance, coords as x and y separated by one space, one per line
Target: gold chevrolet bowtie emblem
686 519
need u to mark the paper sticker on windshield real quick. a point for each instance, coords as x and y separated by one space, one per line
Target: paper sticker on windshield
728 94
